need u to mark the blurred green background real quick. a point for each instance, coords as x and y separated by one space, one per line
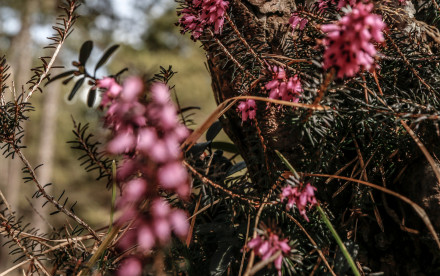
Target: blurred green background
148 37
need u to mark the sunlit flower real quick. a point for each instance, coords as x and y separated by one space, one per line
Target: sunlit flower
148 136
201 14
349 44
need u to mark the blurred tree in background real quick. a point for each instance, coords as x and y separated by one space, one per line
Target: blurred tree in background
24 24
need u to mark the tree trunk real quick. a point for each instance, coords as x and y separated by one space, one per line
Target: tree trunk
21 63
263 25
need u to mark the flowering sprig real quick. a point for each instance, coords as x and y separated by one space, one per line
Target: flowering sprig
282 86
200 14
299 196
349 44
268 244
297 21
148 135
248 110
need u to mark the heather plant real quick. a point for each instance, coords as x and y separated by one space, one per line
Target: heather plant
332 109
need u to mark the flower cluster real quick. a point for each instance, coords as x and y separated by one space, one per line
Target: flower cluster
299 196
349 42
248 110
295 21
148 135
200 14
266 246
282 87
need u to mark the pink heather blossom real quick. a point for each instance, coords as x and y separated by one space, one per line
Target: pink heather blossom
160 93
299 196
146 237
172 175
295 20
200 14
113 88
135 189
132 88
148 135
348 42
282 87
122 143
130 267
248 109
265 247
155 227
179 223
344 3
147 138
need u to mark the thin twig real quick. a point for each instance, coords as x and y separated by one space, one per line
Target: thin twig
234 28
264 263
8 206
409 64
51 199
245 245
206 180
324 259
419 210
68 24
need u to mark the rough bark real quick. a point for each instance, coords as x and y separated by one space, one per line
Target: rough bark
263 25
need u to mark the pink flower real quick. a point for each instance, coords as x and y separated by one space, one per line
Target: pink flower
135 189
200 14
344 3
265 247
130 267
132 88
179 223
296 20
282 87
160 93
122 143
146 237
172 175
113 88
248 109
348 42
147 134
299 196
154 228
147 138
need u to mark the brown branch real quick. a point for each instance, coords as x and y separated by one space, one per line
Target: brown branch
408 63
206 180
312 241
11 232
419 210
67 27
51 199
225 50
234 28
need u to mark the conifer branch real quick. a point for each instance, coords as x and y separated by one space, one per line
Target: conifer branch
51 199
59 39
